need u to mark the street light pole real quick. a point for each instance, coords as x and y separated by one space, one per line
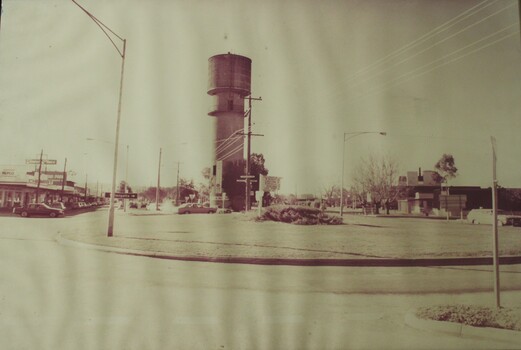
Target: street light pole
350 136
495 245
126 184
110 229
122 53
64 178
177 187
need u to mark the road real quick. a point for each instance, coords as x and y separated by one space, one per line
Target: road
59 297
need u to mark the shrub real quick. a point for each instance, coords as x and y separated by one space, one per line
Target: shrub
299 216
472 315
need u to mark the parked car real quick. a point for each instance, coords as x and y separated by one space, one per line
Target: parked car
57 205
38 209
516 221
485 216
194 208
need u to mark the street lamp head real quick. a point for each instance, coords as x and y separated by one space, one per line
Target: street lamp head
383 133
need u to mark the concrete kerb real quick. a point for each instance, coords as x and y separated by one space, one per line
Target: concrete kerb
362 262
462 330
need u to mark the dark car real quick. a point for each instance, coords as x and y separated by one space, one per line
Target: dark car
57 205
515 221
38 209
194 208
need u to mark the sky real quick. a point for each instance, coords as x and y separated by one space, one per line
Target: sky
437 76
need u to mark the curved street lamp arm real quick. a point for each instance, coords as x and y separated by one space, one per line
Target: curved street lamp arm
102 26
358 133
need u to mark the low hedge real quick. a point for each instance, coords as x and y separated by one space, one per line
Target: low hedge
473 315
299 215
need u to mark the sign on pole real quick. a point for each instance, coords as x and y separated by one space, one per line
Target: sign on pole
269 183
120 195
44 161
218 176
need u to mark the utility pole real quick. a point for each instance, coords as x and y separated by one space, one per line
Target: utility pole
177 187
64 178
494 225
248 154
86 177
158 179
39 178
351 135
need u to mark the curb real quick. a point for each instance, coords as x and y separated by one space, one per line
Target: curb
462 330
509 260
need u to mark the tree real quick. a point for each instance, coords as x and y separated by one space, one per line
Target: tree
207 173
232 172
150 194
257 164
446 169
331 195
378 177
123 185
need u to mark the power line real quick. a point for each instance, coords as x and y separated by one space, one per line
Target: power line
232 134
433 45
236 131
424 37
228 146
232 138
395 80
229 141
229 154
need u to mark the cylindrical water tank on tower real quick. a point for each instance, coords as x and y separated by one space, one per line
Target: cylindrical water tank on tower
229 82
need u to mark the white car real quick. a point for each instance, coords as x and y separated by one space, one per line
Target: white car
485 216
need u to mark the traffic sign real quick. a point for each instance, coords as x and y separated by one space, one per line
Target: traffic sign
269 183
44 161
120 195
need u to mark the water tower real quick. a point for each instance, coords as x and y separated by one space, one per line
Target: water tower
229 83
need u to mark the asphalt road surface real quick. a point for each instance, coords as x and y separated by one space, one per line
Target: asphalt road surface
58 297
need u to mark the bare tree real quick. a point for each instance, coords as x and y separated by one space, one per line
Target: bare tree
331 195
378 177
